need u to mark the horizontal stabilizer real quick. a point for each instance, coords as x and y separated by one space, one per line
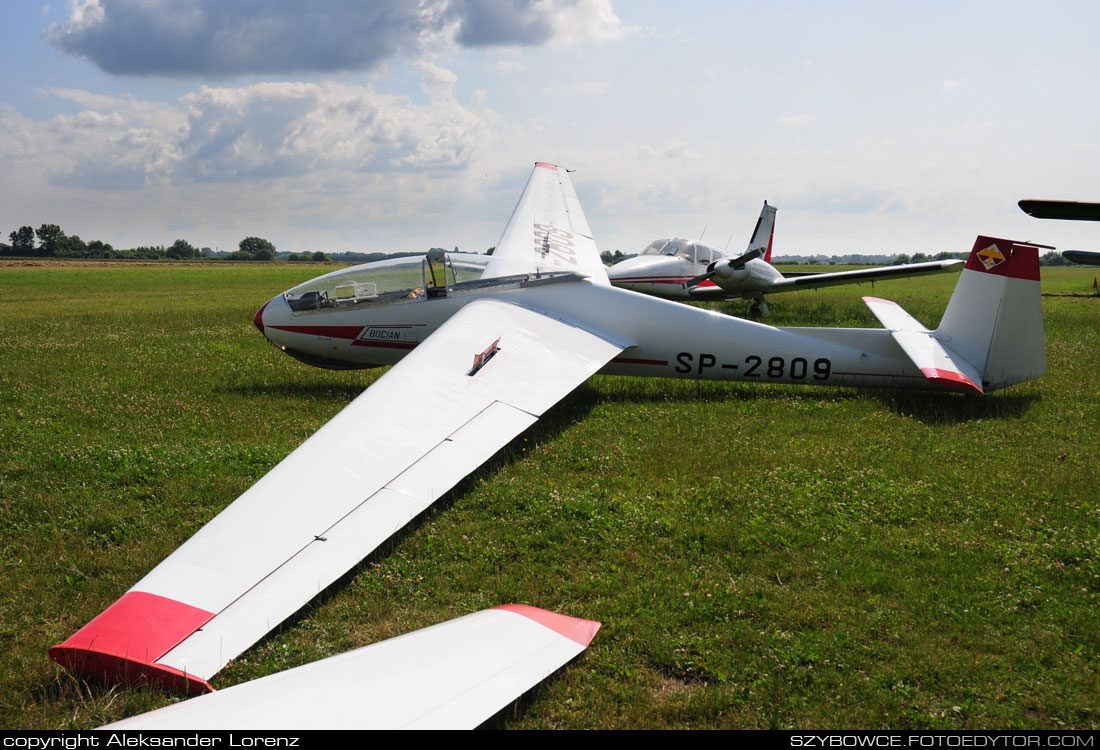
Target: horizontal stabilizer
935 361
455 675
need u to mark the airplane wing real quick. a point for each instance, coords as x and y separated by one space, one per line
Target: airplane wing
1084 257
1069 210
455 675
482 378
819 280
547 231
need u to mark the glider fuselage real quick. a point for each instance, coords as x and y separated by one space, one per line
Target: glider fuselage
663 339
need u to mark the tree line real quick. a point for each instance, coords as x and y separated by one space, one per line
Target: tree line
50 241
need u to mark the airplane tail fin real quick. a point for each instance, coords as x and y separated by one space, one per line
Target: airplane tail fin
994 319
762 234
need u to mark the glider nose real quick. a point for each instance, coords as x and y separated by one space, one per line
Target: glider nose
258 318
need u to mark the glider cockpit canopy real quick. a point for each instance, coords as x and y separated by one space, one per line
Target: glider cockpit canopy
408 278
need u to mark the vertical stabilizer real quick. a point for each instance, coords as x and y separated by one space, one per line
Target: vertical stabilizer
762 234
995 317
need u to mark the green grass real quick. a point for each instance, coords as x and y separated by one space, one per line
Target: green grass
759 555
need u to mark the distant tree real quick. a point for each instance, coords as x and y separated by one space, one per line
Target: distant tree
99 249
919 258
74 247
292 257
1053 258
258 248
901 259
182 250
319 256
22 241
51 240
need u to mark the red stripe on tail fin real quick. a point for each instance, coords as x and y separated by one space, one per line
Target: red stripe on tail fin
1016 260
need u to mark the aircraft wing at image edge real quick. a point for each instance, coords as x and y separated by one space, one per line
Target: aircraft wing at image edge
454 675
1069 211
366 473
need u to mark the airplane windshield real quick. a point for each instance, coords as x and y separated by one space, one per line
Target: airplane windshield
675 248
655 247
407 278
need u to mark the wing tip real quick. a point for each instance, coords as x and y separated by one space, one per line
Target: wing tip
951 379
574 628
100 666
546 165
879 300
123 642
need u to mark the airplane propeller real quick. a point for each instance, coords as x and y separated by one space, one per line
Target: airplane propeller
736 264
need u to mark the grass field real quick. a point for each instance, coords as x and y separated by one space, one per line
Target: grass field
759 555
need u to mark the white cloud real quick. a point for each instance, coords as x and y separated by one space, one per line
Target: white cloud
260 131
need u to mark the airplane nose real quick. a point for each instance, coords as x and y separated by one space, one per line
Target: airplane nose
258 318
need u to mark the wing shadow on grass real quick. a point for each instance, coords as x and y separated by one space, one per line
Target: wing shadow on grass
951 408
339 393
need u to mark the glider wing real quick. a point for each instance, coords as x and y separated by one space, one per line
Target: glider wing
482 378
454 675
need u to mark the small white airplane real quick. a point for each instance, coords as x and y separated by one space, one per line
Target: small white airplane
693 270
476 359
1070 211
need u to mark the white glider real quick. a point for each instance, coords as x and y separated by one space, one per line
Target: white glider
455 675
477 360
692 270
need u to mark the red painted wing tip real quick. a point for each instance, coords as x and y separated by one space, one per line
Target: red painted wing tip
123 642
951 378
112 669
869 300
544 165
573 628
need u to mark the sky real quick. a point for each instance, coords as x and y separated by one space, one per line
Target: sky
874 127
